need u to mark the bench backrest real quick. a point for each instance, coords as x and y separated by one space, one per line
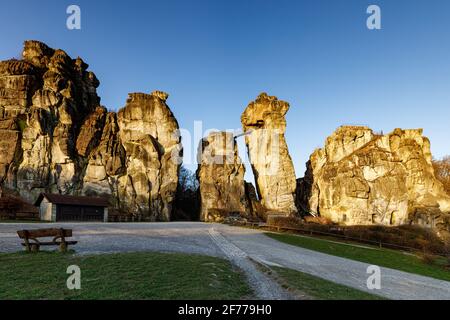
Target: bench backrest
41 233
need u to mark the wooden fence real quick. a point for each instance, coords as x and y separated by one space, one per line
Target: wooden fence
380 244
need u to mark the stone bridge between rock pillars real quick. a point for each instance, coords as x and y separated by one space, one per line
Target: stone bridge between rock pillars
245 248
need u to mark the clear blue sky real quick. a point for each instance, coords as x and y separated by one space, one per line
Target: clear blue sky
216 56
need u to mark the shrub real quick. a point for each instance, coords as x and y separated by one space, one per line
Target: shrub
283 221
428 258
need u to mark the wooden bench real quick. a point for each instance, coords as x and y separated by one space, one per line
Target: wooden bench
32 244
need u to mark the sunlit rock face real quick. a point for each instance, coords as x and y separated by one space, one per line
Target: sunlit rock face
55 137
150 136
43 100
265 124
221 178
364 178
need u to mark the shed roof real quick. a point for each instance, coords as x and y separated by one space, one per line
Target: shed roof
72 200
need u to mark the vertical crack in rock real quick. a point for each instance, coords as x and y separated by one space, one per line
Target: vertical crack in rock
265 124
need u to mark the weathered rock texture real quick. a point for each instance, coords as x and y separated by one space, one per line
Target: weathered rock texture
363 178
150 136
221 178
265 124
43 100
55 137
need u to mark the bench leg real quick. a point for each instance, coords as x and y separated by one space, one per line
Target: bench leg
27 245
63 247
35 247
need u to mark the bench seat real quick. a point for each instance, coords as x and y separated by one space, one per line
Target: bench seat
51 243
59 236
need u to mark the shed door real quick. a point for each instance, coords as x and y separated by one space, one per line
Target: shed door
79 213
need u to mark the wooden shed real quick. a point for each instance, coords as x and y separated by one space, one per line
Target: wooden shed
56 207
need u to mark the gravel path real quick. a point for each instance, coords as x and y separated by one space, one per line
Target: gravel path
263 286
394 284
240 246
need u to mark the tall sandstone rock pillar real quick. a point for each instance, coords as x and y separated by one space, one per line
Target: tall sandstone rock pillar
150 136
221 178
264 124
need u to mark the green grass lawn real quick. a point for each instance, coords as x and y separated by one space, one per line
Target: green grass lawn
120 276
381 257
320 289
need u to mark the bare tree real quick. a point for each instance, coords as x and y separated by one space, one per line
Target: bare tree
187 200
187 180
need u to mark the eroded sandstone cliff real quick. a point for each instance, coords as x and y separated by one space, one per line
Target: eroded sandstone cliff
150 136
221 178
43 100
265 124
360 177
55 137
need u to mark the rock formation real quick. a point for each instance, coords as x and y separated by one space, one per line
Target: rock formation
55 137
106 162
363 178
221 178
265 124
43 99
151 139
